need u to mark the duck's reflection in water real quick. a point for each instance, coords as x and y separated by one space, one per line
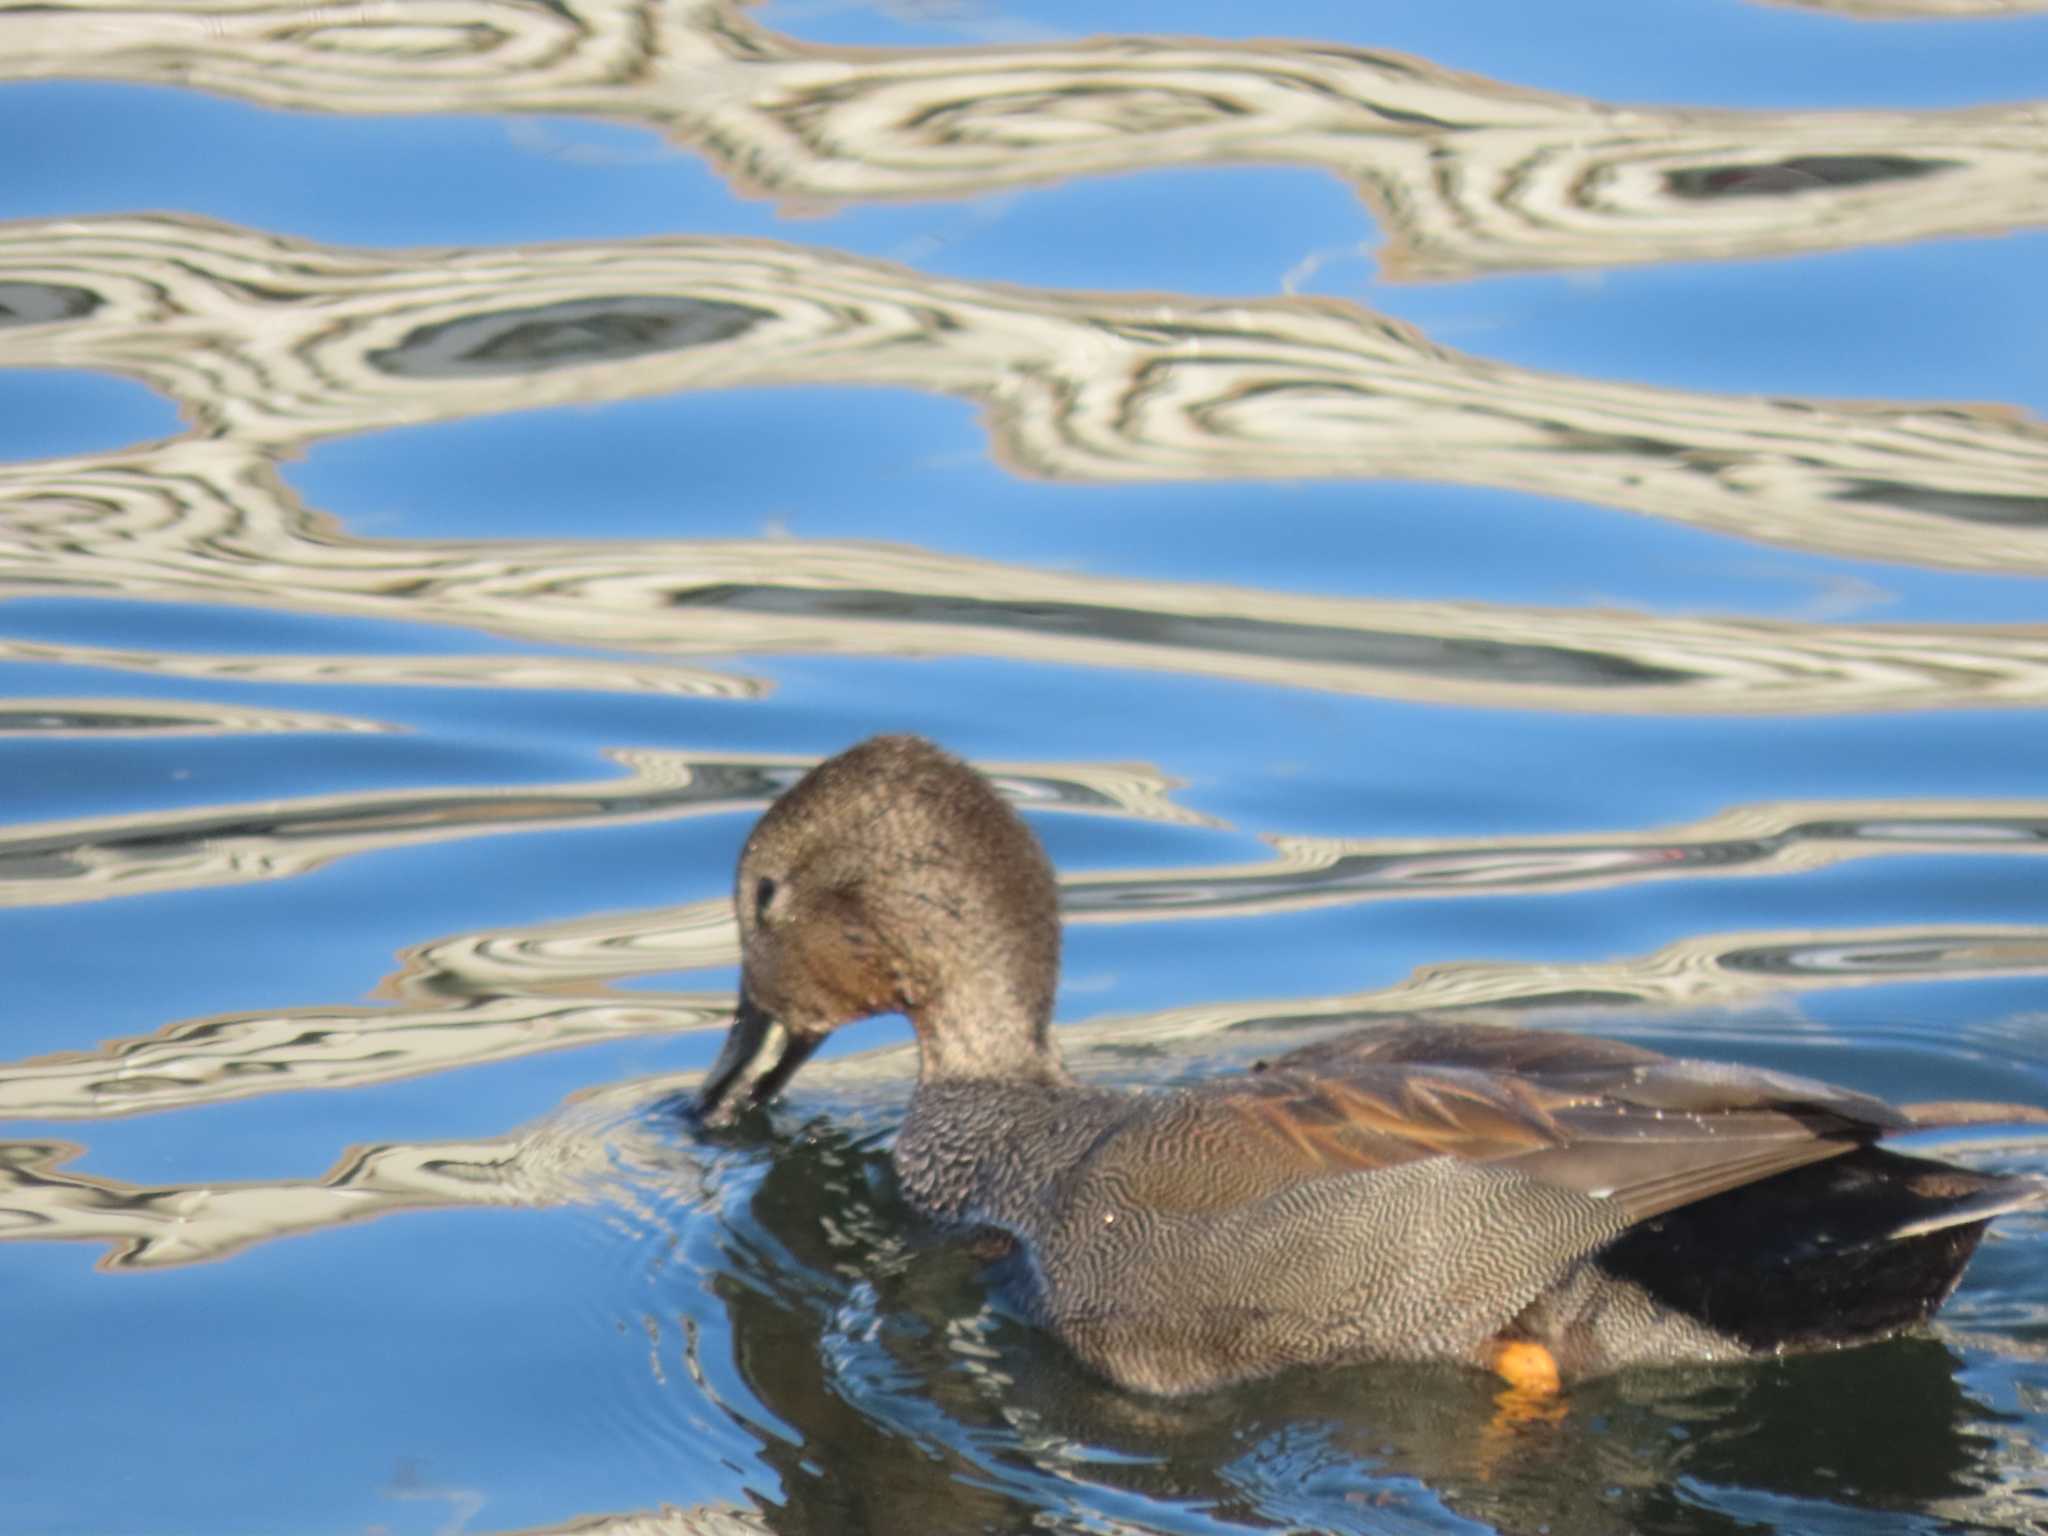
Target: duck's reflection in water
906 1396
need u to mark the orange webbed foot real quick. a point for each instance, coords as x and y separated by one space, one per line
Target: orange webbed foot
1533 1395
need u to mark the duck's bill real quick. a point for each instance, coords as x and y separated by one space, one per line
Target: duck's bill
759 1059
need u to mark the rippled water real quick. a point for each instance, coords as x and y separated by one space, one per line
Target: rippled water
1555 520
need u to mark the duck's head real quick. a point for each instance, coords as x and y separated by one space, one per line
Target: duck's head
890 879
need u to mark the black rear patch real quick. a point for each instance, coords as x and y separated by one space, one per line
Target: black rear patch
1806 1258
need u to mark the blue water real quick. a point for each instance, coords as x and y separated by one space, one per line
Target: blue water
377 745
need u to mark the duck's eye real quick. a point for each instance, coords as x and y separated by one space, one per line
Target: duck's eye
764 898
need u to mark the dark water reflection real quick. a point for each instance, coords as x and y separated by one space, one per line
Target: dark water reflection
580 331
1496 662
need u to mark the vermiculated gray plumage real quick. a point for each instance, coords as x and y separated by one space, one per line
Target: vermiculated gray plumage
1166 1270
1413 1191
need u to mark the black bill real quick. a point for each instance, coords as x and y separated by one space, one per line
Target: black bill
759 1059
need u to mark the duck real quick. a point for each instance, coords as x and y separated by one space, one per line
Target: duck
1545 1205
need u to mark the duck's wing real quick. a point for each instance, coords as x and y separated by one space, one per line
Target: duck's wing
1645 1131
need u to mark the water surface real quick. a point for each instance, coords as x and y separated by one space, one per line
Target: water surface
1477 509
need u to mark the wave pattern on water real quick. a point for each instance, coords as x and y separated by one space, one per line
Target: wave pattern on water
280 345
150 852
100 716
1468 175
538 673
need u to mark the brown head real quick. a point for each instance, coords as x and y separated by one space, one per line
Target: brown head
891 879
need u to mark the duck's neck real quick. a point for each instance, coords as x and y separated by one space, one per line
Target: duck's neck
1015 1056
986 1031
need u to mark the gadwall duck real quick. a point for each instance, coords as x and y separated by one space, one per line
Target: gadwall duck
1545 1205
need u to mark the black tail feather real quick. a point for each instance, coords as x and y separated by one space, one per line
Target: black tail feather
1854 1248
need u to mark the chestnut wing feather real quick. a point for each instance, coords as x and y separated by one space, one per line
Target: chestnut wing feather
1646 1131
